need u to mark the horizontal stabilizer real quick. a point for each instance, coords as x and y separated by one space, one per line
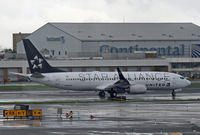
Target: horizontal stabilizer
16 74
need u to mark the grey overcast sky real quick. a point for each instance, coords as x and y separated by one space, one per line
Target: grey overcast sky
28 15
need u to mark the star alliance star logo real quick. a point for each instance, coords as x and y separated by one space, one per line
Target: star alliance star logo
36 62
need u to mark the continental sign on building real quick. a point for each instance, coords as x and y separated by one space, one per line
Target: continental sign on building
178 50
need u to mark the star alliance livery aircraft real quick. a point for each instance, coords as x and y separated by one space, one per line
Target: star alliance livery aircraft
111 82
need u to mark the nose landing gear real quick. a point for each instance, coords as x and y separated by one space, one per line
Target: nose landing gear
173 94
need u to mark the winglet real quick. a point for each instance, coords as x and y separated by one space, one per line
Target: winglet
121 76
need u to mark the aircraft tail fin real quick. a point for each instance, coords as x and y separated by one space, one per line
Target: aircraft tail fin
37 63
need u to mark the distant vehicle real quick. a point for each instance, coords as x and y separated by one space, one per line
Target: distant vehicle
111 82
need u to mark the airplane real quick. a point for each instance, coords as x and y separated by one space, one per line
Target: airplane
111 82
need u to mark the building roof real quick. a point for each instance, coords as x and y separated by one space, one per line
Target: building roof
130 31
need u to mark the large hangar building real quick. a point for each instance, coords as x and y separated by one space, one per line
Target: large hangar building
116 40
173 47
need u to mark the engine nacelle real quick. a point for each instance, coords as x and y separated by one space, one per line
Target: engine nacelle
137 89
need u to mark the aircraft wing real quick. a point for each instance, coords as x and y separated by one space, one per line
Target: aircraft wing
36 75
105 86
122 83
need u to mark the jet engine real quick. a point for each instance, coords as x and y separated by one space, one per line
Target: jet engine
137 89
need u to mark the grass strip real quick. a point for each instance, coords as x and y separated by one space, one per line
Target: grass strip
194 85
27 87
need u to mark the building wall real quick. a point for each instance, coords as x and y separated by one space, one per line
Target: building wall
57 42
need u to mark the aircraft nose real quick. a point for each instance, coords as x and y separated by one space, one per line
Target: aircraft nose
188 82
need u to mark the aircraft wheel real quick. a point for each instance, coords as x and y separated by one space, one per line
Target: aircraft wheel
113 94
102 94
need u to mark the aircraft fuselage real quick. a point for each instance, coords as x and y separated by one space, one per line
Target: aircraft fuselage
92 80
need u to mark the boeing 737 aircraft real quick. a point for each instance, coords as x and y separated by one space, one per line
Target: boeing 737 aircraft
111 82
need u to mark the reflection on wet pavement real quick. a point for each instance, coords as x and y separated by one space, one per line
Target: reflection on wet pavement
112 118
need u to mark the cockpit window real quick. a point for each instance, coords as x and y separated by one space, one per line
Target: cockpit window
182 77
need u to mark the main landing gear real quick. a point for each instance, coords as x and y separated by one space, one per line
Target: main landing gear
102 94
113 93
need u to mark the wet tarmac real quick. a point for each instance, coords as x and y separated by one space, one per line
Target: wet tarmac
54 94
131 118
109 118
